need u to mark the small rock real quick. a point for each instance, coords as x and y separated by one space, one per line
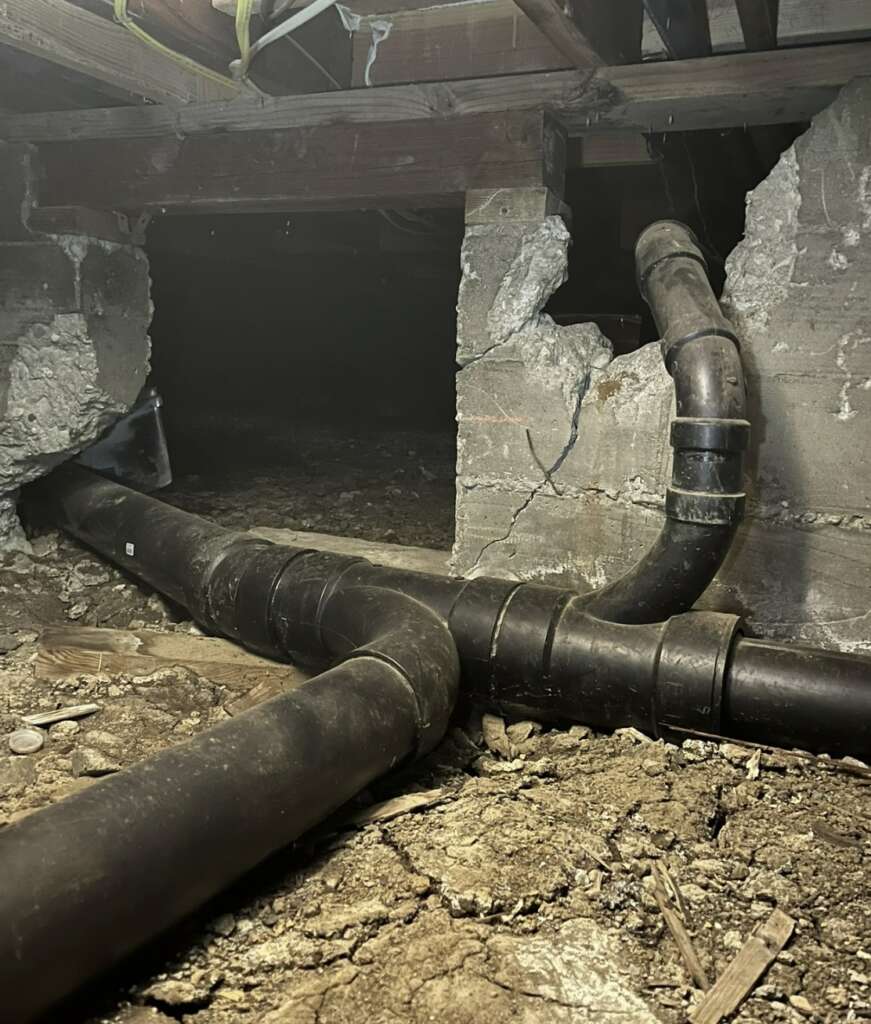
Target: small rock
802 1005
580 732
837 995
735 754
26 741
224 925
173 993
495 735
633 734
753 765
697 750
62 731
77 610
92 763
8 643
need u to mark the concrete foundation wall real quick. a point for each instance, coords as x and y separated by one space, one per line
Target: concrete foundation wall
582 513
74 347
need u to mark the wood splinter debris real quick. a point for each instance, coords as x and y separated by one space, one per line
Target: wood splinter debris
662 883
67 714
749 964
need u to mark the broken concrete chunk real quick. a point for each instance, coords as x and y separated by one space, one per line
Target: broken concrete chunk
92 763
495 735
73 327
174 994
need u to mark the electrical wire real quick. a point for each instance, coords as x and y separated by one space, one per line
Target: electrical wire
122 16
248 52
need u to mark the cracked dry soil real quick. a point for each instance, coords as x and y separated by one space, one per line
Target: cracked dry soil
521 892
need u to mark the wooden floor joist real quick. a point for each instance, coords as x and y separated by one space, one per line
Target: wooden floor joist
551 19
714 92
77 39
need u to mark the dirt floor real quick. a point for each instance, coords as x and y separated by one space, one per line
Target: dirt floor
512 881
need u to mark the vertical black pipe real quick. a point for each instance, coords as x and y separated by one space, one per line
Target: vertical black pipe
705 501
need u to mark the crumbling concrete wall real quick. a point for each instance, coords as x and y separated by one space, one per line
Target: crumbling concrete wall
798 291
74 347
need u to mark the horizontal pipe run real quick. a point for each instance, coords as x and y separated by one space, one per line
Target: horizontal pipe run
89 879
522 646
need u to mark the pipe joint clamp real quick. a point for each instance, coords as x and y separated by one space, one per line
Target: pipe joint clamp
713 435
694 657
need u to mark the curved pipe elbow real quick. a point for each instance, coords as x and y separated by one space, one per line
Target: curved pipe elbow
705 501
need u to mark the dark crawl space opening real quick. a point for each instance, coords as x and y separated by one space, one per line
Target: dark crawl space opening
307 360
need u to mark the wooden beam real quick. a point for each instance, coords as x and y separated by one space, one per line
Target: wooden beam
192 27
588 33
683 26
84 42
800 23
715 92
439 43
328 167
317 58
559 26
759 23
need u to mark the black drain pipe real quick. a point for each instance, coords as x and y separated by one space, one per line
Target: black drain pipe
91 877
522 646
705 501
87 880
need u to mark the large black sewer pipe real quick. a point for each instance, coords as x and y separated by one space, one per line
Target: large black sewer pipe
522 646
705 501
87 880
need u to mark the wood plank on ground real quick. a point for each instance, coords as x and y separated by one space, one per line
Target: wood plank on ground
67 651
741 975
64 652
714 92
322 167
394 556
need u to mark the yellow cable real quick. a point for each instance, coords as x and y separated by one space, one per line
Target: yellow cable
244 9
123 18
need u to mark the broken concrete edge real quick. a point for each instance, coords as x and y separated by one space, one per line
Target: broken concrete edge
73 321
504 338
799 568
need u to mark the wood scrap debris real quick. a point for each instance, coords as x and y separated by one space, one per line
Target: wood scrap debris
749 964
663 888
396 806
68 651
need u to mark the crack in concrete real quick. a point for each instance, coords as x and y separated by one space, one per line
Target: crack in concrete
547 478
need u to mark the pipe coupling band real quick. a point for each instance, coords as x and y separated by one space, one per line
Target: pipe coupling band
712 435
664 240
704 508
694 656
